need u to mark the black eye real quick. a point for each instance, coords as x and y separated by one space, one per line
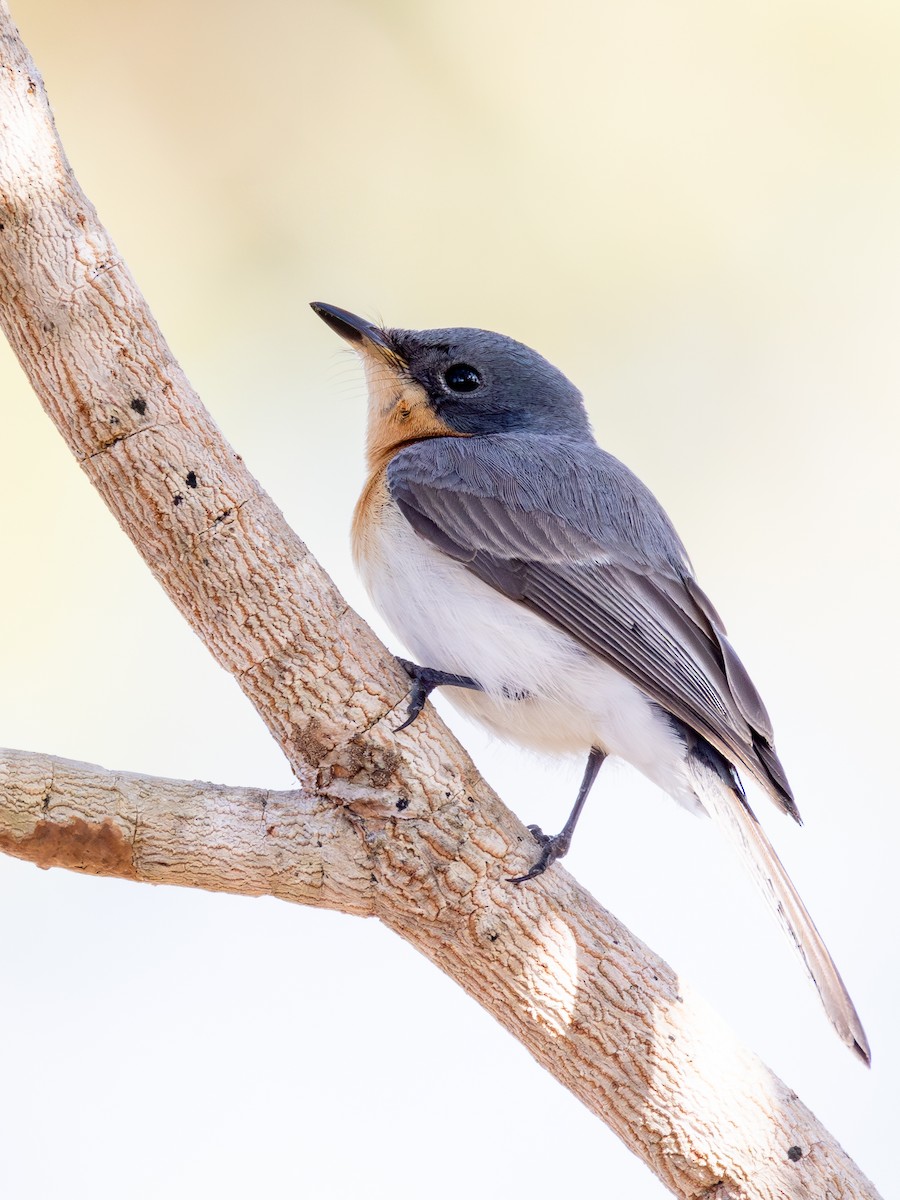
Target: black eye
462 378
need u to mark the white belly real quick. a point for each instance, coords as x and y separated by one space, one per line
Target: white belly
542 689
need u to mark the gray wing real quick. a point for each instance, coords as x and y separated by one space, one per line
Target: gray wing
571 533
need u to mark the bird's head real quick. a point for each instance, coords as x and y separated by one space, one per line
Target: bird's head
455 383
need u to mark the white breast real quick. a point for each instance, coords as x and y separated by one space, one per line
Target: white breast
542 689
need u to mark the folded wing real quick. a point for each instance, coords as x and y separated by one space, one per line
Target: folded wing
579 540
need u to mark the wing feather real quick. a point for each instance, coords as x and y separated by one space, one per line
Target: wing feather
583 543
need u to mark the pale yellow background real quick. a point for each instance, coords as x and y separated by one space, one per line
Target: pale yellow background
693 209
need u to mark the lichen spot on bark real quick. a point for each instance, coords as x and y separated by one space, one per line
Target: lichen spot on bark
78 845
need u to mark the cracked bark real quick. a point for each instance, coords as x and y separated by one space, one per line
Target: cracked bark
400 827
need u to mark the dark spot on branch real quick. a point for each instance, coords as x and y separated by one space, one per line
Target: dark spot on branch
309 740
178 499
382 765
402 803
139 404
191 479
795 1153
77 845
270 829
364 762
45 803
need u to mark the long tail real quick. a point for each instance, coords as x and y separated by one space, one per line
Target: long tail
726 803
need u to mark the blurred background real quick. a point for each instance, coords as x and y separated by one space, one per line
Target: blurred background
691 209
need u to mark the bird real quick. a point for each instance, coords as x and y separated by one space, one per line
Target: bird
534 576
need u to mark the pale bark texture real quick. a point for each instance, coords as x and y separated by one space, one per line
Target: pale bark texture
396 826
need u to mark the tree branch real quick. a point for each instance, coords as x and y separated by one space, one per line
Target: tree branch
248 841
409 831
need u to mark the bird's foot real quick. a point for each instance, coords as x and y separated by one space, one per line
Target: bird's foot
553 846
424 681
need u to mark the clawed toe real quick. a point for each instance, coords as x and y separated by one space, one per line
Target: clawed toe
415 706
539 836
424 681
553 847
418 693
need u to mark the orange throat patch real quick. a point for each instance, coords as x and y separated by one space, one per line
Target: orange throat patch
400 413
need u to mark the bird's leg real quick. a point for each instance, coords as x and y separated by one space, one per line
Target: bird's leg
554 847
425 680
